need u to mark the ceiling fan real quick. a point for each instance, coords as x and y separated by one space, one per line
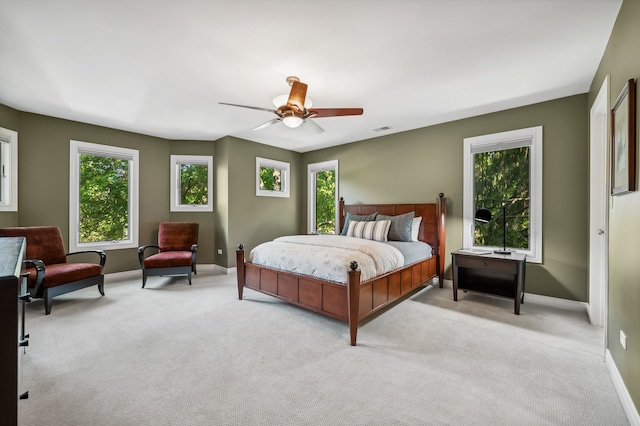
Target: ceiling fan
295 109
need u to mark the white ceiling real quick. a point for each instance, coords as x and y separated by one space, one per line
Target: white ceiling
160 67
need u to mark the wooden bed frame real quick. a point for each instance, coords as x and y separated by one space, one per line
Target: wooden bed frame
356 300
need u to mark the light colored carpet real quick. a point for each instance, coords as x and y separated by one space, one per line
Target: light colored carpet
174 354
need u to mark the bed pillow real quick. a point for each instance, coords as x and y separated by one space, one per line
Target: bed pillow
357 218
401 224
376 230
415 228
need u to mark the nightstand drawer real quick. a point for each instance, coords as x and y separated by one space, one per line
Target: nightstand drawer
486 263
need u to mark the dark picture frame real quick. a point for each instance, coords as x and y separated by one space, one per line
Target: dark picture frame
623 140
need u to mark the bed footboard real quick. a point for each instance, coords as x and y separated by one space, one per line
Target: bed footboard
324 297
350 303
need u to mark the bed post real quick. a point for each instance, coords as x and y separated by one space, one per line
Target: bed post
353 300
240 269
341 215
441 210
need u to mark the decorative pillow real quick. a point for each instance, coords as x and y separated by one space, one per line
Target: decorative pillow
401 224
415 228
358 218
372 230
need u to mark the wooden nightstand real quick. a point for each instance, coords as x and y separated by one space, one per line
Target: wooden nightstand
497 274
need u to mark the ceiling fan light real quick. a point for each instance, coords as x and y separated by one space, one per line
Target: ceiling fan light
281 100
292 121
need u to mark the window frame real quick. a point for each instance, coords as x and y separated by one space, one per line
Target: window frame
9 169
76 148
531 137
284 167
312 169
176 162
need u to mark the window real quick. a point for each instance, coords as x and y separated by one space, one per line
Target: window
8 170
323 197
103 197
191 183
503 174
272 178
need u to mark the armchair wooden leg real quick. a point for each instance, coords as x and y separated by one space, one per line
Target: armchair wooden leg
189 278
144 278
101 288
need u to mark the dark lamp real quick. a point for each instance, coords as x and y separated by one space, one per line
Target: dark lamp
484 215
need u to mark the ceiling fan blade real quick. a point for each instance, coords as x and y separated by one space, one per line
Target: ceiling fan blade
250 107
267 124
297 95
313 126
334 112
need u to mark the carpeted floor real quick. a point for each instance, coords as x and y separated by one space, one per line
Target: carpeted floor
174 354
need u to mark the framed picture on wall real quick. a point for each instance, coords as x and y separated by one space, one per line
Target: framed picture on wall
623 141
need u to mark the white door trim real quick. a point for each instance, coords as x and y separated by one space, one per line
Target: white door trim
598 206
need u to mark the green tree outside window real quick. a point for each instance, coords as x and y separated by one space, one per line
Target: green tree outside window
270 179
502 178
325 202
194 184
104 199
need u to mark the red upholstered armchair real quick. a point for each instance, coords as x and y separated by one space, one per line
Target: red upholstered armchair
175 253
50 274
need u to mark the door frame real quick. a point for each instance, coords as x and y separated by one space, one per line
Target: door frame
599 180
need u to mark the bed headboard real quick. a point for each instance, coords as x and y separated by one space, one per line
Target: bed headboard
432 230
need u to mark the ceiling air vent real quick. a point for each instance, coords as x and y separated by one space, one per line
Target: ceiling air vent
382 129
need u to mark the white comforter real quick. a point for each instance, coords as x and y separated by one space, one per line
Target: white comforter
327 257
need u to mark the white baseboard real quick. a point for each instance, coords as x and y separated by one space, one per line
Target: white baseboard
201 267
623 394
557 302
124 275
222 269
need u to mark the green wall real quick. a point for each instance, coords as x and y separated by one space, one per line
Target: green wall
239 215
252 219
43 179
411 166
622 62
415 166
221 203
10 119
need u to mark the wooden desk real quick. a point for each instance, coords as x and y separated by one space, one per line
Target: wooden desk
497 274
